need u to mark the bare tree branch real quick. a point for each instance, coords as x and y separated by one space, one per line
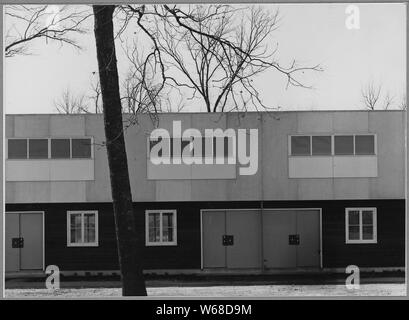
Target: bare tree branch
370 95
213 51
55 23
69 103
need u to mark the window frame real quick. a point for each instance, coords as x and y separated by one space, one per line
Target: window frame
48 148
333 135
375 151
161 242
331 141
70 148
353 144
374 225
49 157
291 145
82 244
81 138
17 138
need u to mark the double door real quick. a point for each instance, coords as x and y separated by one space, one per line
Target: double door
23 241
252 239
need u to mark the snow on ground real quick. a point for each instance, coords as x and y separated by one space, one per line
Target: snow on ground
220 291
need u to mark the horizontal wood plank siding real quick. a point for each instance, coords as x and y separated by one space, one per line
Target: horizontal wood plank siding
388 252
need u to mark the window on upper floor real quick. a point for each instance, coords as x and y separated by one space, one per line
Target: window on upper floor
344 145
300 145
17 148
365 144
327 145
49 148
81 148
37 148
321 146
60 149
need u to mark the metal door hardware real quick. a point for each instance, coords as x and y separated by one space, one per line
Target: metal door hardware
17 242
293 239
228 240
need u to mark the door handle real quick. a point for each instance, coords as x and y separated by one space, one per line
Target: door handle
227 240
17 242
293 239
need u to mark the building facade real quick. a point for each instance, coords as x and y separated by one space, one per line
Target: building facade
305 190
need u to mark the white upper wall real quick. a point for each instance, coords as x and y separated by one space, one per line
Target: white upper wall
271 182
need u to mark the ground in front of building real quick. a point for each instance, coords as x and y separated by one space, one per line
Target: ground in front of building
392 284
380 289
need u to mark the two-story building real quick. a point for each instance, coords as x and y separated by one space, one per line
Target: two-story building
283 191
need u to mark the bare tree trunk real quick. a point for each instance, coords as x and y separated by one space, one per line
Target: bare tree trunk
129 242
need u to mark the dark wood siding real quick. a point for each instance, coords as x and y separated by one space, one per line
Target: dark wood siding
388 252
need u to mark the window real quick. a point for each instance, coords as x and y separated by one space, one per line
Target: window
344 145
321 145
38 148
82 228
360 144
360 225
81 148
365 144
160 227
17 148
300 145
60 149
49 148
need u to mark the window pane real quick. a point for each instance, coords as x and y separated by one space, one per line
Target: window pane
154 235
365 144
89 227
367 232
353 218
367 217
353 233
154 227
154 220
167 219
321 145
75 228
300 146
17 149
81 148
344 145
38 148
167 235
60 148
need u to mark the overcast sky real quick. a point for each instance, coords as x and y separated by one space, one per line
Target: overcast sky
313 33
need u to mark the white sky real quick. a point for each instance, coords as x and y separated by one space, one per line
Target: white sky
310 33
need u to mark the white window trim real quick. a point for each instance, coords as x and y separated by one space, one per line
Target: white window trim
82 244
160 243
375 226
